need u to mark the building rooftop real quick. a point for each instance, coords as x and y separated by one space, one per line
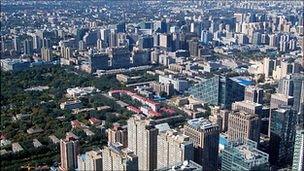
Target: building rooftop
245 81
187 165
201 123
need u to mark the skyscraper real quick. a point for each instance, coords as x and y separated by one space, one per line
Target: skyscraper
254 94
244 156
115 157
28 47
142 139
205 137
118 134
243 126
293 85
69 149
119 57
298 151
172 148
282 135
91 160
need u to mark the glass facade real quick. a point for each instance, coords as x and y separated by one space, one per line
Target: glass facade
243 157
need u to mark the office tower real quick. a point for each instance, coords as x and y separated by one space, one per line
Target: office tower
256 39
115 157
238 27
293 85
216 119
185 165
121 27
220 90
172 148
193 47
283 46
16 42
45 54
91 161
90 38
205 137
244 156
99 61
272 40
140 57
165 41
282 135
142 139
254 94
69 149
105 36
99 46
206 37
46 43
242 126
298 151
278 100
118 134
113 39
248 107
28 47
145 42
175 42
119 57
36 42
268 66
160 26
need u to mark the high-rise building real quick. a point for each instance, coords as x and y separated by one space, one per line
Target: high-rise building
185 165
91 160
172 148
28 47
293 85
282 135
99 61
279 99
220 90
121 27
248 107
257 39
268 67
118 134
244 156
193 47
254 94
298 151
115 157
206 37
119 57
165 41
142 139
205 137
105 36
243 126
69 149
140 57
45 54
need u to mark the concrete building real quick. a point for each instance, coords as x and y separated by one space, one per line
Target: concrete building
248 107
278 100
69 149
244 157
298 152
185 165
242 126
115 157
119 57
91 160
172 148
205 137
118 134
282 135
142 139
180 85
254 94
